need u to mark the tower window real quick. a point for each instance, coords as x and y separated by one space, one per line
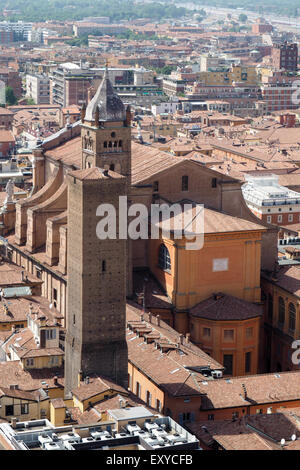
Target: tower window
164 260
113 134
103 266
115 144
105 145
110 144
185 183
120 143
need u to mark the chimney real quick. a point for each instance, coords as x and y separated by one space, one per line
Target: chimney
150 317
158 320
87 380
14 423
181 339
187 338
244 391
55 380
142 317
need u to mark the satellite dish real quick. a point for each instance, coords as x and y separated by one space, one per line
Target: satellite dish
282 442
293 437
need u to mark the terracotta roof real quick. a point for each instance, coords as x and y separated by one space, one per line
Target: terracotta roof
11 372
169 369
95 386
10 275
225 307
255 432
68 153
95 174
288 278
264 388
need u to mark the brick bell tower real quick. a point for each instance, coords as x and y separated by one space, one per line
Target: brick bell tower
97 269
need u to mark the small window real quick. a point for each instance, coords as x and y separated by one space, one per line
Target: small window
248 362
228 335
164 260
292 318
120 143
249 332
210 417
185 183
55 294
279 218
9 410
214 182
158 405
155 186
269 219
112 167
103 266
24 409
105 145
228 364
206 332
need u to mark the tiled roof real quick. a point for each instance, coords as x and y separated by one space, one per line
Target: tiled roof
68 153
255 432
225 307
288 278
263 388
11 372
95 174
95 386
169 369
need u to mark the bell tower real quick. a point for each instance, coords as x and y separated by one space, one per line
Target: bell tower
106 132
98 269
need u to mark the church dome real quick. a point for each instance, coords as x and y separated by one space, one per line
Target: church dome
110 106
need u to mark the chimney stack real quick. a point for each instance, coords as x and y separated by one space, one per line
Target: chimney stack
158 320
181 338
55 380
187 338
150 317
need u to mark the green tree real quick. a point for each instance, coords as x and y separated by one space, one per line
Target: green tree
10 96
243 18
30 101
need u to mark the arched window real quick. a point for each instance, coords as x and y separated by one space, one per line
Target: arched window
115 143
292 317
270 307
281 312
110 144
105 145
164 260
112 167
120 143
